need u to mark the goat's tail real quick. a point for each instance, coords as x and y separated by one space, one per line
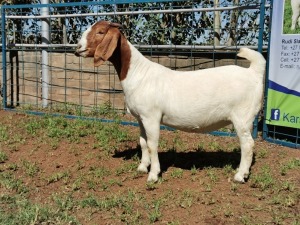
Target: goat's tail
257 61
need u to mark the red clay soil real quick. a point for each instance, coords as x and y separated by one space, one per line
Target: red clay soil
196 184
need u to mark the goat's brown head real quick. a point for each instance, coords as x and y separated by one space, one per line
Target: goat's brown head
99 41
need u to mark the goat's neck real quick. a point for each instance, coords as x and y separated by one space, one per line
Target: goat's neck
139 64
130 64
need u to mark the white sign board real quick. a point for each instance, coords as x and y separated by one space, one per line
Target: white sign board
283 106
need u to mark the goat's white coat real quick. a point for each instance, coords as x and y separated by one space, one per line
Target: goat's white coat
194 101
296 13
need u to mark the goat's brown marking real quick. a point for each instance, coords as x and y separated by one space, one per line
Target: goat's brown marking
121 54
95 36
121 58
106 48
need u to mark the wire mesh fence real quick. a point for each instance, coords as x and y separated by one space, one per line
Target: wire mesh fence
41 74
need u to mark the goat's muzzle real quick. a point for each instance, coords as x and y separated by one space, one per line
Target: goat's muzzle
79 53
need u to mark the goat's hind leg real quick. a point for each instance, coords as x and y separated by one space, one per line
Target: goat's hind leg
247 143
145 161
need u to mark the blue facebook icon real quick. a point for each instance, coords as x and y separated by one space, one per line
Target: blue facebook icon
275 114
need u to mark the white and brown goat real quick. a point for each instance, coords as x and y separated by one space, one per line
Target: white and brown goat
194 101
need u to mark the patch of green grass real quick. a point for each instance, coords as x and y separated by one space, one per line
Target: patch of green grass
54 144
13 166
114 203
262 153
90 201
77 184
3 133
292 164
3 157
126 168
244 219
10 182
150 186
115 182
212 174
194 170
99 172
214 146
64 202
228 211
228 170
106 109
155 212
187 199
234 187
163 144
200 146
263 179
20 210
178 143
287 186
31 168
111 135
33 125
59 128
290 201
177 173
57 177
15 141
97 182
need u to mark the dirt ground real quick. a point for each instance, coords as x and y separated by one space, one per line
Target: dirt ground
84 178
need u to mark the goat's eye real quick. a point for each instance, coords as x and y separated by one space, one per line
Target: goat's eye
100 32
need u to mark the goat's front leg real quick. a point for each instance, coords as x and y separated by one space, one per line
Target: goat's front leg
145 161
152 136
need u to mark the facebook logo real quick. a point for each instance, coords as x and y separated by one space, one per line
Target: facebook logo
275 114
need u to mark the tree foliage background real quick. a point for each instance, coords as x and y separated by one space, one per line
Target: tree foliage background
237 27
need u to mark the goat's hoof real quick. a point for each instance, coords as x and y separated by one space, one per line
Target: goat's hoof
239 178
152 177
142 168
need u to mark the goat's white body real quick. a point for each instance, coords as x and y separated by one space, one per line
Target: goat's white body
296 13
193 101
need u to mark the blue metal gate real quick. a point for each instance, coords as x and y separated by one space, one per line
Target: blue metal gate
41 75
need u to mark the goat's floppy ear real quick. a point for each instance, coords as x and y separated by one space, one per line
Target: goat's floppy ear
106 48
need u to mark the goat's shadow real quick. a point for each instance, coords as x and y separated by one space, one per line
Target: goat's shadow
188 160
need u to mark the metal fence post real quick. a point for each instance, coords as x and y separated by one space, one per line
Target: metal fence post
4 80
259 49
265 127
45 40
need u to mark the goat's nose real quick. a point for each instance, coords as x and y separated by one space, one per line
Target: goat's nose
79 46
77 50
